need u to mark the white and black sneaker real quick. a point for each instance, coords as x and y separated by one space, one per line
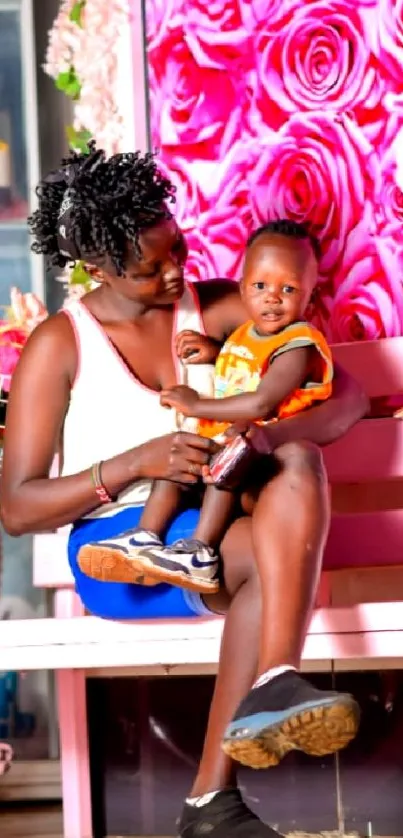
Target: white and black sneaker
188 563
139 557
116 559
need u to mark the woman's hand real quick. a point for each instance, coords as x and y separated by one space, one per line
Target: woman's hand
194 348
262 437
181 398
179 457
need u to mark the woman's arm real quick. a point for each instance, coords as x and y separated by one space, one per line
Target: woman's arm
323 423
31 501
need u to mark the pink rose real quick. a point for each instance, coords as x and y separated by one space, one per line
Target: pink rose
390 25
216 246
183 174
316 56
213 211
368 300
389 207
319 169
256 13
216 35
200 263
194 105
161 21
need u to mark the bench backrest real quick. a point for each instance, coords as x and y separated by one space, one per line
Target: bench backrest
366 466
365 470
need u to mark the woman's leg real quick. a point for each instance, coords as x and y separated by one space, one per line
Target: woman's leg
238 654
289 530
291 520
304 529
282 711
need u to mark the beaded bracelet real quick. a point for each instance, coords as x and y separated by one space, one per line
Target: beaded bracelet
99 487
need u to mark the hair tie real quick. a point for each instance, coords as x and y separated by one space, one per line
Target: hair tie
65 176
65 235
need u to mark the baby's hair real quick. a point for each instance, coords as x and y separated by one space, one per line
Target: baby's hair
111 201
290 229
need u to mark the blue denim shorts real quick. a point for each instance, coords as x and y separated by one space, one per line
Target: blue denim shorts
119 601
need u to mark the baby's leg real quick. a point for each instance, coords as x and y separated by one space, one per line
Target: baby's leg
124 558
215 516
163 503
193 562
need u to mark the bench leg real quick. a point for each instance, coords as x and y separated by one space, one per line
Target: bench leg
72 709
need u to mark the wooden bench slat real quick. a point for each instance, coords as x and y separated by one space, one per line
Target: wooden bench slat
372 539
377 365
88 642
372 450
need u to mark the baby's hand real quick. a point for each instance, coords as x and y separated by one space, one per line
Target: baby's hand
181 398
194 348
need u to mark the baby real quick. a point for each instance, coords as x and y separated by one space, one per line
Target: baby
271 367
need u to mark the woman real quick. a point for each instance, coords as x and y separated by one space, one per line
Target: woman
91 377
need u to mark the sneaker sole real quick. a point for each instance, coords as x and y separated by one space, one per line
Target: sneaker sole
110 566
314 728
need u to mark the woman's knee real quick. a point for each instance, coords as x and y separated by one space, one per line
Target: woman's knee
302 460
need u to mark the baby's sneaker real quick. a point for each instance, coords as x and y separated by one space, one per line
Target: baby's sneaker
187 563
117 559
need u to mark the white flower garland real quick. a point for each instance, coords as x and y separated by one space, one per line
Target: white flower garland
88 46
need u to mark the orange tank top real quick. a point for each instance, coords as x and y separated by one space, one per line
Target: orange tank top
246 357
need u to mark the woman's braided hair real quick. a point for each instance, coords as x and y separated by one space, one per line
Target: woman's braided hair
111 202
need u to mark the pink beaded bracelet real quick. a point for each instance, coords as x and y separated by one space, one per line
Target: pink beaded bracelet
99 487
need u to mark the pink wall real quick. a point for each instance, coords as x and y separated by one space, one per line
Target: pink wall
288 108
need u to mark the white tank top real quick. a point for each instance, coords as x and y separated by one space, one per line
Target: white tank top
110 411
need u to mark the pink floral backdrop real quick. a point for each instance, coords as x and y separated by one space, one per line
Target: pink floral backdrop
264 109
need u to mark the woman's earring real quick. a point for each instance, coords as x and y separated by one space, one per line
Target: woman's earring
94 272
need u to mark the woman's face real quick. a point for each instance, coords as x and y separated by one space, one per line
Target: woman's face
156 278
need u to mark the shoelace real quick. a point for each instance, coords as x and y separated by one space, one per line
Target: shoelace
190 545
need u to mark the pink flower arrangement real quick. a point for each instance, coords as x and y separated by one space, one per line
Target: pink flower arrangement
264 109
23 315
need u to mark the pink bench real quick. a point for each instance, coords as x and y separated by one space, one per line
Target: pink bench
358 623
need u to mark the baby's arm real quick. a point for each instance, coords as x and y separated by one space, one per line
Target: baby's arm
195 348
287 372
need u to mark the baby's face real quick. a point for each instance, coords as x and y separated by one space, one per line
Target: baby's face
278 280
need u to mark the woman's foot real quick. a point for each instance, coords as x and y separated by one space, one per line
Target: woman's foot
116 559
225 816
187 563
287 713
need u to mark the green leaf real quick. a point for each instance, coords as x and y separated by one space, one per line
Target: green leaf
77 11
69 83
79 275
78 140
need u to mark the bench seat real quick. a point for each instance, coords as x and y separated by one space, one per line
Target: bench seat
358 623
336 637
